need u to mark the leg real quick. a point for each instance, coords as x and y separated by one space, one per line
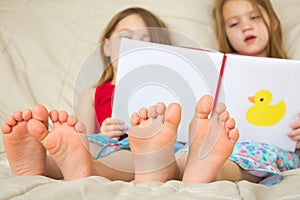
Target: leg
64 144
116 166
25 154
204 169
152 137
230 171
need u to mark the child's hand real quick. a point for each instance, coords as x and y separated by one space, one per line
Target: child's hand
295 133
113 128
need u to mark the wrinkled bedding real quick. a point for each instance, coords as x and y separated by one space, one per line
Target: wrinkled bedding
43 46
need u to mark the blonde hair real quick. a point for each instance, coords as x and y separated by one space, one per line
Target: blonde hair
158 36
275 46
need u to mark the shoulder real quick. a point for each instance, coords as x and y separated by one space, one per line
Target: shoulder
105 87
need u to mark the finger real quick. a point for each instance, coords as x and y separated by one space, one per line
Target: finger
114 128
296 137
113 134
110 121
295 124
293 133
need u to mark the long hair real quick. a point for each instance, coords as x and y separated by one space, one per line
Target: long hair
150 20
275 47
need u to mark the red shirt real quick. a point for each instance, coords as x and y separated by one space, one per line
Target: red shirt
104 101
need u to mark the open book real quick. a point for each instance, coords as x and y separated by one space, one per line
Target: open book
260 93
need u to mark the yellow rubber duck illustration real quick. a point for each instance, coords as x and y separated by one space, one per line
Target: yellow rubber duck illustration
262 113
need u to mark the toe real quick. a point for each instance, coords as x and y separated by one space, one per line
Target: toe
152 112
11 121
219 114
6 128
234 135
173 115
40 113
18 116
220 108
80 127
63 116
54 115
72 120
160 108
27 114
230 123
220 117
135 119
204 107
143 113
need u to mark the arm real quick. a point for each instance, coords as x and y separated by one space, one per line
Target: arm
85 111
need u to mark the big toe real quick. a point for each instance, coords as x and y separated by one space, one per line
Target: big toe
204 107
40 113
173 115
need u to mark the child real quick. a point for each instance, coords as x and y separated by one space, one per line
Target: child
94 108
251 27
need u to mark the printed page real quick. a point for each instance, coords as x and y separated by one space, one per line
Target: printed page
262 94
149 73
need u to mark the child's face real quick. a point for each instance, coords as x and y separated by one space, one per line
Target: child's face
245 27
132 27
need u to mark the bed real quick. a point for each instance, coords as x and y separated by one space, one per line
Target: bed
44 45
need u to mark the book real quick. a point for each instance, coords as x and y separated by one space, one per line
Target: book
259 93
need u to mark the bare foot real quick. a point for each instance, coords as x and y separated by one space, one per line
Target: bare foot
65 144
152 137
203 168
25 154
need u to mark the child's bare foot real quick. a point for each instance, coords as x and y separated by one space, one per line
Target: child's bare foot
25 154
152 137
203 168
65 144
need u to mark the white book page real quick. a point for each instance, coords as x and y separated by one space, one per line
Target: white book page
149 73
243 77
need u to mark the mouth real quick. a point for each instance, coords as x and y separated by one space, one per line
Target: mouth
250 39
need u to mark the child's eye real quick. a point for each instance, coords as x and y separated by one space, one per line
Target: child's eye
126 35
256 17
231 25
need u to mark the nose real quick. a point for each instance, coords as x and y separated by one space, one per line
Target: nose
246 25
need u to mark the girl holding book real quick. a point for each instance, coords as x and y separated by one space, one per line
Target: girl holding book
251 27
94 108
